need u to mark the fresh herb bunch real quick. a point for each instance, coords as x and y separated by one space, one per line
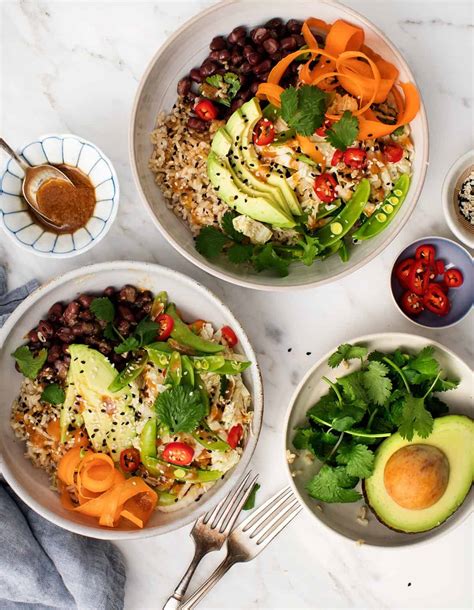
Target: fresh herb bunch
390 392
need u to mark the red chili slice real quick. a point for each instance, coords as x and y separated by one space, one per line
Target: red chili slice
439 266
229 336
166 323
129 459
337 157
264 132
321 131
419 277
426 253
206 110
402 271
453 278
355 158
411 303
234 436
436 300
442 285
392 153
325 187
178 453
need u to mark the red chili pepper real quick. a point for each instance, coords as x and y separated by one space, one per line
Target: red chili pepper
129 459
264 132
392 153
337 157
419 277
321 131
206 110
229 336
166 323
411 303
178 453
426 253
325 187
436 300
234 436
453 278
439 266
442 285
355 158
402 271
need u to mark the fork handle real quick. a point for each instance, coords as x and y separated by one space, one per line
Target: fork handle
204 589
174 600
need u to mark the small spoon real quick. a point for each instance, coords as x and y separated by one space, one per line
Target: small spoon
35 176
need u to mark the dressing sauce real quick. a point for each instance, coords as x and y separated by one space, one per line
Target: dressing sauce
68 206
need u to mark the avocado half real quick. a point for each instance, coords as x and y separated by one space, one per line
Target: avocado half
416 485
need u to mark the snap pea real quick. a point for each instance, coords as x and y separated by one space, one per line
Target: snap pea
342 223
166 499
148 439
343 252
158 467
199 384
185 336
159 304
233 367
160 346
388 210
188 371
218 364
129 373
283 136
271 112
174 373
210 441
328 209
159 359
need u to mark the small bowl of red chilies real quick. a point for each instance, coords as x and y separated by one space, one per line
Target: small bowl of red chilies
432 282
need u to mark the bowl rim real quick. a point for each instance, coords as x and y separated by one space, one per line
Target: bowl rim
109 222
413 320
446 197
257 403
431 534
218 272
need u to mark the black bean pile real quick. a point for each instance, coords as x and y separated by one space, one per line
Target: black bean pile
250 54
74 322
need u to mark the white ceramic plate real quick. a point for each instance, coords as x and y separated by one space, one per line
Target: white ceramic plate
186 49
342 518
194 300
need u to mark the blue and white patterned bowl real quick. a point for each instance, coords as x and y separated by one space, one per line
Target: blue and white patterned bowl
20 224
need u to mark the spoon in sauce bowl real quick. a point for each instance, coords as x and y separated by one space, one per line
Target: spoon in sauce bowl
35 178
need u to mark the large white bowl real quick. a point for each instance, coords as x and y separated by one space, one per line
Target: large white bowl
186 49
195 301
342 518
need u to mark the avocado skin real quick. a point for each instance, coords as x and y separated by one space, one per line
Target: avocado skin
442 422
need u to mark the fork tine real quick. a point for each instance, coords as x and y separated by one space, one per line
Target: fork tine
273 521
261 514
270 516
290 515
228 519
212 516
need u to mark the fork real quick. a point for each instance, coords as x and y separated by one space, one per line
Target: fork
250 538
210 532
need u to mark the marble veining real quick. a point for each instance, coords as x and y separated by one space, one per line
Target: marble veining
73 66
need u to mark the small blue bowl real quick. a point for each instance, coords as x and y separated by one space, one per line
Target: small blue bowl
453 255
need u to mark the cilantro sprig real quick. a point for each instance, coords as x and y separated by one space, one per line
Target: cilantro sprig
343 133
389 392
29 364
180 408
303 109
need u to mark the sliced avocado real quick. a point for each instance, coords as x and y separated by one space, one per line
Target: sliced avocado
69 413
252 113
108 416
416 485
259 208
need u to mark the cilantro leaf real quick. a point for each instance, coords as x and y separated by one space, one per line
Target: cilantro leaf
28 364
352 386
146 331
333 485
215 80
415 418
346 352
376 382
267 258
343 133
358 459
250 502
180 408
444 385
111 333
210 242
54 394
303 109
103 309
240 253
234 83
227 226
128 345
302 438
425 363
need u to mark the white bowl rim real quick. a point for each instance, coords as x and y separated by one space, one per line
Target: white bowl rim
397 305
220 273
257 404
446 196
456 519
107 225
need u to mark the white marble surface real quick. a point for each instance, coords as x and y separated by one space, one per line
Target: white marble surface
74 67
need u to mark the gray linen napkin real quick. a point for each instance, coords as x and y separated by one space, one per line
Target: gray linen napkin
43 566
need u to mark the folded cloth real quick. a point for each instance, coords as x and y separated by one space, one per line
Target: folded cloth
43 566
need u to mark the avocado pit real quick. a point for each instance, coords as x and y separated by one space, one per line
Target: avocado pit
416 476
